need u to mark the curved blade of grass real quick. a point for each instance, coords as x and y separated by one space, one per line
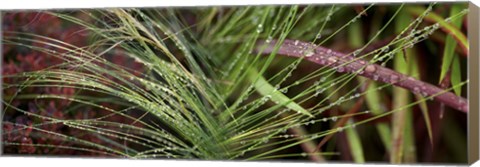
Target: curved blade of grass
266 89
373 100
355 144
423 105
400 98
409 131
410 155
451 44
456 75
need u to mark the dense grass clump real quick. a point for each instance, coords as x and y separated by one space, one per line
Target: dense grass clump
341 82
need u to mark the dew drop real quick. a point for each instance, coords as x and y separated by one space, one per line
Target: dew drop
328 18
370 68
309 53
334 118
340 69
260 28
274 27
321 90
386 49
357 95
332 60
416 90
323 79
329 51
356 53
394 78
269 39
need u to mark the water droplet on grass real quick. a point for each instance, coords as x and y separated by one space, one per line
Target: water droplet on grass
357 95
296 42
340 69
356 53
274 27
309 53
260 28
332 60
416 90
370 68
394 78
269 39
334 118
386 49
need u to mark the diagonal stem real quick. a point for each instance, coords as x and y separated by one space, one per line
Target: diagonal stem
344 63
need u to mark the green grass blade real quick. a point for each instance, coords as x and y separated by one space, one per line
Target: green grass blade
355 144
266 89
450 44
456 76
400 99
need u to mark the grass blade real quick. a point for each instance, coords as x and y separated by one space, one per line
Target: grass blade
266 89
450 44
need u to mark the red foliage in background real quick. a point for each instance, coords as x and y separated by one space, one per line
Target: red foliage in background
17 127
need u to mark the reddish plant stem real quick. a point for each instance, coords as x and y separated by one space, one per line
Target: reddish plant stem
309 146
344 63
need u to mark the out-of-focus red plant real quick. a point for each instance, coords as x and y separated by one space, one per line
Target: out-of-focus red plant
17 127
